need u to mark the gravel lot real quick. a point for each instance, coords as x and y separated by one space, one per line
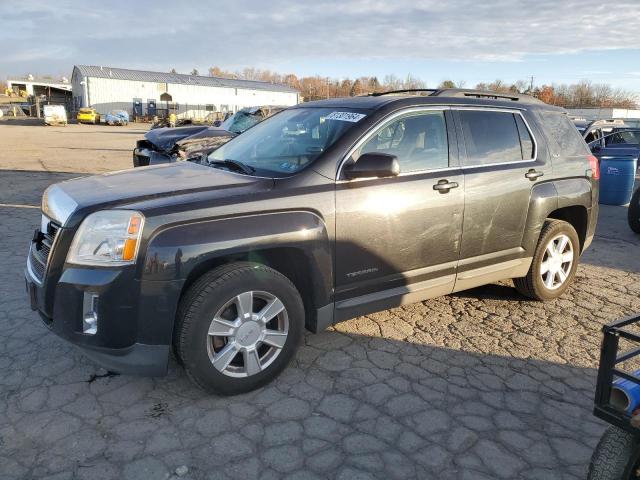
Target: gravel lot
481 384
30 145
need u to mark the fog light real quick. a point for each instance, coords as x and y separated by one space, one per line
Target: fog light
90 314
90 324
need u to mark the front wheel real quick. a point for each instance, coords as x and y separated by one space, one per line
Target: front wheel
238 327
616 456
633 214
554 263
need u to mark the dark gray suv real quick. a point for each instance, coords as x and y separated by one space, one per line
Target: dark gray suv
323 212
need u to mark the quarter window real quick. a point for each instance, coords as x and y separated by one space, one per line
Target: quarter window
418 140
568 142
493 137
526 142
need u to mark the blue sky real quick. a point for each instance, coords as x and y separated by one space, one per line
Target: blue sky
463 40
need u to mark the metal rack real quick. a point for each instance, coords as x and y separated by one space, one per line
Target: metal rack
610 358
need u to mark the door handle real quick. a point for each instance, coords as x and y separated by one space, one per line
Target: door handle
443 186
533 174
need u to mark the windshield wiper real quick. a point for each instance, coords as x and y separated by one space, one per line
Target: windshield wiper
234 164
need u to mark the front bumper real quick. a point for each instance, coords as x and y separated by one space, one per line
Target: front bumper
135 318
143 157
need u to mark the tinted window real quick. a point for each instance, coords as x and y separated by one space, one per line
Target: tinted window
566 139
490 137
419 140
623 137
526 142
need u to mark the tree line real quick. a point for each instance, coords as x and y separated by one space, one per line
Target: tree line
581 94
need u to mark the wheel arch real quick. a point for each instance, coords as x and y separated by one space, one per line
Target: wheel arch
291 262
569 200
294 243
577 216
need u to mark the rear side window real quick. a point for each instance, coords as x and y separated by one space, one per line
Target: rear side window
491 137
567 141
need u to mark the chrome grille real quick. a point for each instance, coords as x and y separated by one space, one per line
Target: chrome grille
41 250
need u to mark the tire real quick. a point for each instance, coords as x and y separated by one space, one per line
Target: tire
237 360
614 456
534 284
633 214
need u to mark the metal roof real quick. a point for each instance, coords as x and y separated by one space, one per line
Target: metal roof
178 78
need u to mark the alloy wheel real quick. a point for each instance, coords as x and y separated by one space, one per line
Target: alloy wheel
247 333
557 262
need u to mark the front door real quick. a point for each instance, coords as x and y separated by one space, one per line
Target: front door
501 166
398 238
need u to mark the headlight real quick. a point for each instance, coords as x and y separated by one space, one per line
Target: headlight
108 237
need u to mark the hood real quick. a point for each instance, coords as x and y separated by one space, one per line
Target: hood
84 195
165 138
205 141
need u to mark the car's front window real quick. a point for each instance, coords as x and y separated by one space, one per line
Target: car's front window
242 121
288 141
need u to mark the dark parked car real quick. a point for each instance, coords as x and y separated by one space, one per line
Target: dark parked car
633 214
619 140
592 130
326 211
166 145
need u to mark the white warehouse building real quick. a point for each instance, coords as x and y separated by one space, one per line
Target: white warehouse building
143 93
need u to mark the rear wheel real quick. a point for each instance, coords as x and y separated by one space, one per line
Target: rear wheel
633 214
616 456
238 327
554 262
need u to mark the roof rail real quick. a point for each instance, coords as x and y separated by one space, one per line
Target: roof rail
431 91
468 93
463 93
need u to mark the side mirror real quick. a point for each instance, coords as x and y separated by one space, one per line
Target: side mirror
373 165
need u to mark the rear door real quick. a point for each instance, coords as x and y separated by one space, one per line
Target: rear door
500 165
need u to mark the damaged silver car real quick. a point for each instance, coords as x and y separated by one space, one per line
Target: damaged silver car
167 145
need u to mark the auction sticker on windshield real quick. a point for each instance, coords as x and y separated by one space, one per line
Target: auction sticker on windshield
345 116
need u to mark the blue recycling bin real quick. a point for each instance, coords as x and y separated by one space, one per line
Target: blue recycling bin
617 176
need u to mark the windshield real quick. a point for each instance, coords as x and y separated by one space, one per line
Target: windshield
288 141
241 121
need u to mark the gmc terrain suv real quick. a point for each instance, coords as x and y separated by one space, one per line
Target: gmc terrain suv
325 211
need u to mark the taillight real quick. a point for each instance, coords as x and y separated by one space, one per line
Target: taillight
595 167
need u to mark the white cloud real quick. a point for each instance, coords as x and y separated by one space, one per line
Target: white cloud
246 32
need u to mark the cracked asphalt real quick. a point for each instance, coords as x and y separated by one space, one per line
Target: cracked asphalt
481 384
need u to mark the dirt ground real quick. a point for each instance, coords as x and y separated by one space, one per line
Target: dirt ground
30 145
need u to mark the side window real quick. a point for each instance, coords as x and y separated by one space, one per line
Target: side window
419 140
623 137
526 142
568 142
490 137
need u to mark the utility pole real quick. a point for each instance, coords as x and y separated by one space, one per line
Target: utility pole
531 85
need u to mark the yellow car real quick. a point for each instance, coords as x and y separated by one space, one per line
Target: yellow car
88 115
